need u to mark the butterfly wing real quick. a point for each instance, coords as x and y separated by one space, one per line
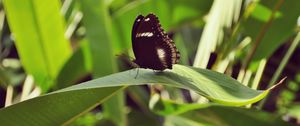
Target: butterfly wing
143 41
152 47
169 55
134 29
135 44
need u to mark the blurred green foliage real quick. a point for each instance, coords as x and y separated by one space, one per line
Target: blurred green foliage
62 43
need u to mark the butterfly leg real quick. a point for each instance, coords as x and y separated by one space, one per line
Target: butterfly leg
137 73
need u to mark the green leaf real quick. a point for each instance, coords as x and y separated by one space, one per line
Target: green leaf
62 106
54 109
97 22
216 115
168 107
262 13
77 66
277 33
182 121
213 114
141 118
88 119
38 29
114 109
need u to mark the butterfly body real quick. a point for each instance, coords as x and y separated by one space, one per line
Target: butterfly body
152 47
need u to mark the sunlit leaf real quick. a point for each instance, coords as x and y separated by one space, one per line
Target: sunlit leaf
38 29
61 106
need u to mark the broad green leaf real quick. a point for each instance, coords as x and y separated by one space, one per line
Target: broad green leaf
141 118
77 66
168 107
62 106
114 109
88 119
216 115
38 29
182 121
54 109
213 114
97 22
277 33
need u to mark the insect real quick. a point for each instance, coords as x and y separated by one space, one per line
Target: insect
152 47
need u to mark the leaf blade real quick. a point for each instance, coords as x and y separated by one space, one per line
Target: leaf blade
66 104
38 26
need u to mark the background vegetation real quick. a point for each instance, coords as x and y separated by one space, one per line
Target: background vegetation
48 45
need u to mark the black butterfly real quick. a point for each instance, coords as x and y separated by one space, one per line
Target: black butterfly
151 46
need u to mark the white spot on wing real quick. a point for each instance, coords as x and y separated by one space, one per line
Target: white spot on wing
150 34
161 55
144 34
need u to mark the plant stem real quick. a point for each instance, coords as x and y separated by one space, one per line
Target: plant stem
9 95
27 86
285 59
259 74
261 34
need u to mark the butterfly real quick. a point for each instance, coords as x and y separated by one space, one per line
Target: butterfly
152 47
